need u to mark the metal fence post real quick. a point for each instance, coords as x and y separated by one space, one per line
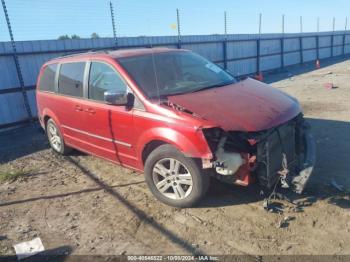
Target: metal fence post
318 39
301 49
344 35
258 47
332 38
224 43
17 64
178 29
113 24
282 43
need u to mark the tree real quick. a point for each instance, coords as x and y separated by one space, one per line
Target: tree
63 37
75 36
95 35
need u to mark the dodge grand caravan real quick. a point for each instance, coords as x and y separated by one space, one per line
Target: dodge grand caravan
176 117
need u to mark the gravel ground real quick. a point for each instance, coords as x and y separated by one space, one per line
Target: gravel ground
83 205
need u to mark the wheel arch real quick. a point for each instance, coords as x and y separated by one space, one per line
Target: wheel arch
48 114
160 136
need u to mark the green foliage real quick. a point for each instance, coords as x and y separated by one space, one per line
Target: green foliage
95 35
63 37
11 176
75 36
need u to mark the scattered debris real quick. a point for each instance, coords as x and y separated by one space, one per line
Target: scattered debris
29 248
297 209
196 218
273 207
329 86
3 238
276 207
285 221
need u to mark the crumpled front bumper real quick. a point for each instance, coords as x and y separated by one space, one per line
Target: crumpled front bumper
300 180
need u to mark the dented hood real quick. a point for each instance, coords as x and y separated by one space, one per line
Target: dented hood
248 105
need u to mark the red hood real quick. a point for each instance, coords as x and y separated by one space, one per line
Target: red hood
248 105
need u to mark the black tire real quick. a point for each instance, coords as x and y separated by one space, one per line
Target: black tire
200 180
64 149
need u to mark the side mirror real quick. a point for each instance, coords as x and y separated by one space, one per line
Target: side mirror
119 98
116 98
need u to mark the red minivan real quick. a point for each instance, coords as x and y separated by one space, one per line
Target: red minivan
178 118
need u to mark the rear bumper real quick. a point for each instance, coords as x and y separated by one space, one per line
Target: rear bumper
306 168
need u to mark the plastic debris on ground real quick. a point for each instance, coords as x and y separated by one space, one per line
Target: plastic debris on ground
29 248
329 86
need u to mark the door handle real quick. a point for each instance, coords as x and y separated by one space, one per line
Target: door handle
78 108
90 111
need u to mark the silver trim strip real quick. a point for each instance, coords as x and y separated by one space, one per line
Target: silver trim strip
97 136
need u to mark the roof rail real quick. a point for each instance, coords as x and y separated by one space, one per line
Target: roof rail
79 52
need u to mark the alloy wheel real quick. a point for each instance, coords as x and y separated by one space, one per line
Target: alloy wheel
54 137
172 178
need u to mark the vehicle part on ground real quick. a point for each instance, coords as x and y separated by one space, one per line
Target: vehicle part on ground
174 178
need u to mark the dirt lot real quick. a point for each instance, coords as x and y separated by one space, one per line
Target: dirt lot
83 205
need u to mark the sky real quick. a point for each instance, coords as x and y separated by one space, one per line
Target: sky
48 19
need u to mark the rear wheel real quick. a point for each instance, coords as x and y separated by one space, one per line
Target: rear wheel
55 138
174 179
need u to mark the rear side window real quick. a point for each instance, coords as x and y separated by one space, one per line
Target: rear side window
104 78
47 80
70 80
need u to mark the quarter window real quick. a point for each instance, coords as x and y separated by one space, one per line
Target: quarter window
70 80
47 81
104 78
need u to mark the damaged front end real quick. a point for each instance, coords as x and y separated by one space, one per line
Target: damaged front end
285 154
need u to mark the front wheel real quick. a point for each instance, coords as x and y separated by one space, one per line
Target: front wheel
174 179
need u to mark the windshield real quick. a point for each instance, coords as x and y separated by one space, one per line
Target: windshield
170 73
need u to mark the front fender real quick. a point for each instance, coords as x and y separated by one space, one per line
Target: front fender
193 144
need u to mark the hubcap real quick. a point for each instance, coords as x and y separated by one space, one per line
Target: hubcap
172 178
55 139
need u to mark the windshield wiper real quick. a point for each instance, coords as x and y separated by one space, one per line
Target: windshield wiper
214 86
186 92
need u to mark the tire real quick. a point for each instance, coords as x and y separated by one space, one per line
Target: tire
180 178
55 138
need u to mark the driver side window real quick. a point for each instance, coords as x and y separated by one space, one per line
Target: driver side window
104 78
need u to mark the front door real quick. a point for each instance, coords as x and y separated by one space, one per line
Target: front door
109 128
